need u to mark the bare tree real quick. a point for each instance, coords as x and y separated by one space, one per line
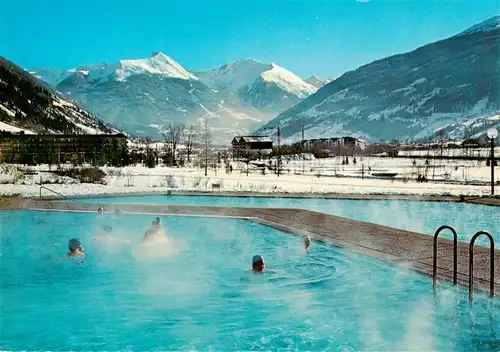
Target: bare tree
172 133
206 139
189 139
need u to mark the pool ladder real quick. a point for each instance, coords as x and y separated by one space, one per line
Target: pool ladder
471 259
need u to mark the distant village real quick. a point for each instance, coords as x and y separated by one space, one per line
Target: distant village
176 150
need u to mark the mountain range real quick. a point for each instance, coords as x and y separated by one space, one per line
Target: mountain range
140 96
27 104
407 96
443 87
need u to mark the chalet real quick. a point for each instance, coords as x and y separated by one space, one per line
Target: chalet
251 146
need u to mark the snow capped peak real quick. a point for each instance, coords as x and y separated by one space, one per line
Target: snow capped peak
235 75
158 63
287 81
244 73
159 56
489 25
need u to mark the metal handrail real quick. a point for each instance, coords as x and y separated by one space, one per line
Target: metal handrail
492 262
51 190
455 257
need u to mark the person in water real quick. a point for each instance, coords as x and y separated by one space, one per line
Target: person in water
258 264
75 248
155 232
307 243
100 211
106 229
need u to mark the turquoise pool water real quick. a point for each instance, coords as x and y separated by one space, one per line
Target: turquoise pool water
198 294
422 217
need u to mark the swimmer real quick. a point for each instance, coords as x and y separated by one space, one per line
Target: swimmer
155 233
75 248
106 229
258 264
100 211
307 243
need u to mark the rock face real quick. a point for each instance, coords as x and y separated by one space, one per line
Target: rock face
405 96
142 95
29 104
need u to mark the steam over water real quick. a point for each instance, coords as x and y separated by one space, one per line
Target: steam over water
196 291
422 217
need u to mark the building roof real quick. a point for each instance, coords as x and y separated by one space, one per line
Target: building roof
252 139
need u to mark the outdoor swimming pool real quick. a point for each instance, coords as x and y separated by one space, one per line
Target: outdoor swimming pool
418 216
198 293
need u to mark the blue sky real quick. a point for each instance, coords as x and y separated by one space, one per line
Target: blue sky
307 37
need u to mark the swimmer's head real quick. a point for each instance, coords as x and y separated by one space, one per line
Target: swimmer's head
75 245
157 222
100 210
257 263
107 228
307 241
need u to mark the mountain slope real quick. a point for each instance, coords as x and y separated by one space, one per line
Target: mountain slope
29 104
143 103
474 127
267 87
318 82
233 76
408 95
142 95
52 76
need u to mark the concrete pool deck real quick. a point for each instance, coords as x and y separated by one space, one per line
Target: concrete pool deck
484 200
409 249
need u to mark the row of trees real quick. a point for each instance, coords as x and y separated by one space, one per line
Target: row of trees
175 133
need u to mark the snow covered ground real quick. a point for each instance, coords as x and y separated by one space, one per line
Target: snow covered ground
319 178
9 128
453 152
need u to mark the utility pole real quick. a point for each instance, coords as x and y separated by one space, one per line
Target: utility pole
278 160
492 133
303 158
492 167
